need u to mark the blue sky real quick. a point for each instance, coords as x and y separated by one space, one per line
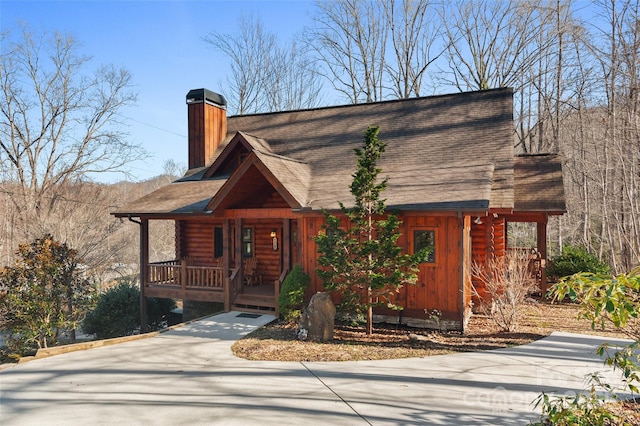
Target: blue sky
160 43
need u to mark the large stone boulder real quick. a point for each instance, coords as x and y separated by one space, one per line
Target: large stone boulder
318 319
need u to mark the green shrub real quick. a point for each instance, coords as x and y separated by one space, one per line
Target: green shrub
291 297
574 260
117 312
604 300
42 295
584 408
158 310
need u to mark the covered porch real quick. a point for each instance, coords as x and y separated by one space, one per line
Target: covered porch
240 262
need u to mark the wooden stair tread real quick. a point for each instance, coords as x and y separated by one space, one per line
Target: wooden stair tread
244 299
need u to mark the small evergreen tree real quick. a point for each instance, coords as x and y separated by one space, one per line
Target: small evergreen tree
43 294
291 298
362 262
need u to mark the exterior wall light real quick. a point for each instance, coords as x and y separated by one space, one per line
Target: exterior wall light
274 242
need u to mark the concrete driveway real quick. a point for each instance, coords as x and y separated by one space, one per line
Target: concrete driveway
189 376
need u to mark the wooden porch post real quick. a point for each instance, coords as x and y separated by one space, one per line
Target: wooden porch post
226 262
541 228
238 249
286 244
144 262
489 239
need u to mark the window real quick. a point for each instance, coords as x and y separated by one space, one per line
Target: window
425 241
217 242
247 242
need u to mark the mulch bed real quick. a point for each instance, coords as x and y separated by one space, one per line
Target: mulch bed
278 342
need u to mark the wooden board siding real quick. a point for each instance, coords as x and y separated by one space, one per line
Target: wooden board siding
466 253
438 286
207 128
438 283
310 228
275 201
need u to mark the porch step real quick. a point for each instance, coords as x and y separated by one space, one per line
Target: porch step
255 303
254 309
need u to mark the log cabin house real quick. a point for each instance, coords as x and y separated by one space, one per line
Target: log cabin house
251 202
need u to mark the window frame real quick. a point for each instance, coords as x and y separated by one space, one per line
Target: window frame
250 242
218 242
433 258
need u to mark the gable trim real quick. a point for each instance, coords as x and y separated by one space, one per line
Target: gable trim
252 161
239 139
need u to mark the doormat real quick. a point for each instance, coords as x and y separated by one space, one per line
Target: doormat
246 315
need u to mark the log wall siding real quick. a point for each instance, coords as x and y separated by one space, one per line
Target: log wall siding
499 236
468 284
195 241
269 261
275 201
488 240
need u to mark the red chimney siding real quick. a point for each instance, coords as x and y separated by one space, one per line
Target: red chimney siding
207 128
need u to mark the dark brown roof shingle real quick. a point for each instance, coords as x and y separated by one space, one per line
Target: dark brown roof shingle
443 152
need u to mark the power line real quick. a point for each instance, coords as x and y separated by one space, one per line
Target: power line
156 127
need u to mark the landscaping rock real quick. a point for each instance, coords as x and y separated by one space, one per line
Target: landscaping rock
318 319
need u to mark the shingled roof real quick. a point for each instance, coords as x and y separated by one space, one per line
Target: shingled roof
450 152
538 184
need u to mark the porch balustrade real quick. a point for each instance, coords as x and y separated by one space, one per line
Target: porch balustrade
179 274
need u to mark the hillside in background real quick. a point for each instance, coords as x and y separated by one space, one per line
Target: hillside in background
80 216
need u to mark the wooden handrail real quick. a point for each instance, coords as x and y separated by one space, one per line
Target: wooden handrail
166 262
277 286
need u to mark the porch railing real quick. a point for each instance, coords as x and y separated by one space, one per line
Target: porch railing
278 284
179 273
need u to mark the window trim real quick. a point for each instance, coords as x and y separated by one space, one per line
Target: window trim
251 252
218 242
435 256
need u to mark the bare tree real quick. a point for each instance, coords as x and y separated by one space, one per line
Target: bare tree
601 138
349 38
248 51
293 82
265 76
59 125
617 52
414 29
503 285
490 43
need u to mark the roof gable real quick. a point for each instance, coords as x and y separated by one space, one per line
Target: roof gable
232 154
260 177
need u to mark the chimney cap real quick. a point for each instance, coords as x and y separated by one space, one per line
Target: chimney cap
204 95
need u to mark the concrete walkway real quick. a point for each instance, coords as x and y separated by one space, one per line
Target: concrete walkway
189 376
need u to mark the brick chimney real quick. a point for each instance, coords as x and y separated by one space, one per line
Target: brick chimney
207 121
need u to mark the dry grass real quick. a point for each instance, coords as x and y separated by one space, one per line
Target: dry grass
277 341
